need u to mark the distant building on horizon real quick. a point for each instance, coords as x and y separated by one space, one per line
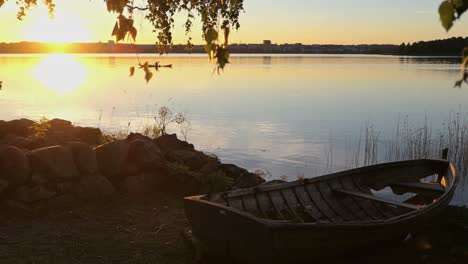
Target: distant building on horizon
267 42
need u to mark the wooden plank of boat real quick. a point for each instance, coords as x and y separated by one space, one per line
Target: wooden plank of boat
349 203
309 205
321 203
365 204
430 188
378 199
341 211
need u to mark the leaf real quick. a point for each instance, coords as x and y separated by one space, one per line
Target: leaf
457 3
115 31
132 71
461 6
447 14
133 33
222 56
211 35
465 53
148 76
209 50
464 77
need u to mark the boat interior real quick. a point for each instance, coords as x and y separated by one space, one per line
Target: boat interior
353 196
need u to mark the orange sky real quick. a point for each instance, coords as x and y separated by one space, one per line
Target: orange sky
305 21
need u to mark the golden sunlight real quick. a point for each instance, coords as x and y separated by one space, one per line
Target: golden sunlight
61 73
64 27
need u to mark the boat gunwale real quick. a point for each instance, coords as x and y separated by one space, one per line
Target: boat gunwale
281 224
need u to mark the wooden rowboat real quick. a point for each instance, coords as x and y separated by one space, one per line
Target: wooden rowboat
307 219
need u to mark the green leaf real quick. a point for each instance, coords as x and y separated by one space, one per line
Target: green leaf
132 71
447 14
211 35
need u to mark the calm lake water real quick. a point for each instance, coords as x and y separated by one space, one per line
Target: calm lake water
290 115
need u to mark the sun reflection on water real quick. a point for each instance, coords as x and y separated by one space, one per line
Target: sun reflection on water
61 73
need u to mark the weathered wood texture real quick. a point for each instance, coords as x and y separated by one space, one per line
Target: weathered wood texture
346 207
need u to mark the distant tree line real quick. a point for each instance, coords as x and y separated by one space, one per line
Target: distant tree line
452 47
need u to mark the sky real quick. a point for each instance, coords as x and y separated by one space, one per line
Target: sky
292 21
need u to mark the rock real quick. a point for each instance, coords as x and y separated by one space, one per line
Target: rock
193 159
14 166
54 162
242 178
84 157
37 178
145 154
170 142
61 201
89 135
3 128
59 124
19 127
247 180
67 187
140 184
210 166
135 136
33 194
29 143
3 185
19 206
233 171
93 187
111 158
12 139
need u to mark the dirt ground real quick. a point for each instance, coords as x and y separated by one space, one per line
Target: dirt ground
152 230
122 230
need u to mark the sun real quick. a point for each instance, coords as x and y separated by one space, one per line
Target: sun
64 27
61 73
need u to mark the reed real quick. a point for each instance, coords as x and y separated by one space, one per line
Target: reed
407 141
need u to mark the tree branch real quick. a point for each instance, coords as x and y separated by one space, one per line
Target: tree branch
137 8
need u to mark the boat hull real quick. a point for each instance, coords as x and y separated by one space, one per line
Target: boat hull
232 236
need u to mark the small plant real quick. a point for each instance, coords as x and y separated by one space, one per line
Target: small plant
184 125
166 117
41 127
151 131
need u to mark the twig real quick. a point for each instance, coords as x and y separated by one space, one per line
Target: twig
137 8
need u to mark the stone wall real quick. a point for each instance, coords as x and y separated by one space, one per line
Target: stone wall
68 164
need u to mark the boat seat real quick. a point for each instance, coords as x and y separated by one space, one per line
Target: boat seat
419 187
377 199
